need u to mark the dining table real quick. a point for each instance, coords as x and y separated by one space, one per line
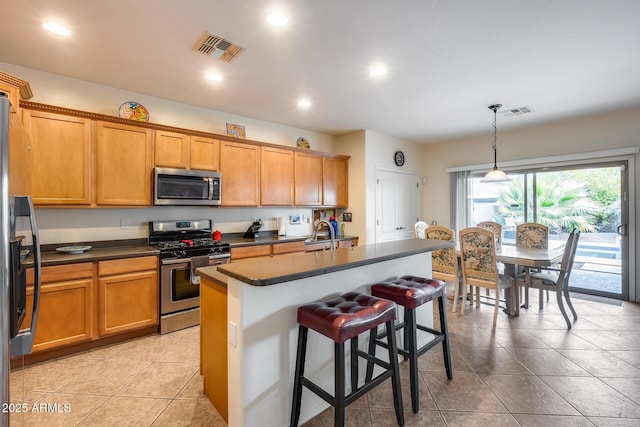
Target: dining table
517 256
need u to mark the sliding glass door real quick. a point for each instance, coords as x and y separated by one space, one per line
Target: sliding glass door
591 197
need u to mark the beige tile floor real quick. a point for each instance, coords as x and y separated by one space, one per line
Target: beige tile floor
149 381
529 371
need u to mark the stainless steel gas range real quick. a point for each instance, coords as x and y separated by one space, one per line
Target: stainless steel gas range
184 246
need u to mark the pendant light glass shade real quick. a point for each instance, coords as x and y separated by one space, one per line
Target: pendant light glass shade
495 175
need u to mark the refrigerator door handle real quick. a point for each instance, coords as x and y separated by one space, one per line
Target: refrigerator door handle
22 343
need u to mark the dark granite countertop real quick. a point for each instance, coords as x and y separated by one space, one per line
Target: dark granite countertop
272 270
100 251
268 238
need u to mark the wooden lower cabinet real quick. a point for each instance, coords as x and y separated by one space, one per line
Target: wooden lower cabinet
88 301
288 248
250 252
65 314
266 250
213 344
127 294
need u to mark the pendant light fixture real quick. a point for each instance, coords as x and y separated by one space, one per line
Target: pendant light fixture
495 175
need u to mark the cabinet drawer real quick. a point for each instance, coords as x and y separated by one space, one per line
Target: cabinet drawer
287 248
57 273
127 265
250 251
311 247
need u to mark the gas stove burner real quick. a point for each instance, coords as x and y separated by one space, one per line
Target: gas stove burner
185 239
190 243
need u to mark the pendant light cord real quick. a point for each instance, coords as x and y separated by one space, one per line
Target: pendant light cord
495 109
495 141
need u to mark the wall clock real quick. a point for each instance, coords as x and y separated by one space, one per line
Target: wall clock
398 157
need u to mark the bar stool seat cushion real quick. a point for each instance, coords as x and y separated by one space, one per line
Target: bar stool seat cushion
346 316
410 291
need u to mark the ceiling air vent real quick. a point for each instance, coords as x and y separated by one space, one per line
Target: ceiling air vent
212 45
517 111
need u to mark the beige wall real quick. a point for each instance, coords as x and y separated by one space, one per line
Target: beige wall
82 95
353 144
81 225
618 129
369 152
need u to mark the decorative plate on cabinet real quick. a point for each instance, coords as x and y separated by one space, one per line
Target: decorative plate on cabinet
134 111
303 143
73 249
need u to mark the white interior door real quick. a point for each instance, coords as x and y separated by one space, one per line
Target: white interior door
396 205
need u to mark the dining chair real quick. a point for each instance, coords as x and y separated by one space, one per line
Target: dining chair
480 268
532 235
493 226
444 262
555 279
418 229
497 231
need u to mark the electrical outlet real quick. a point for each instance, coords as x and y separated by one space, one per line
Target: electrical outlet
124 223
232 333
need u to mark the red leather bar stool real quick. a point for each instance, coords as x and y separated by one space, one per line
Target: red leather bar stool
341 319
411 292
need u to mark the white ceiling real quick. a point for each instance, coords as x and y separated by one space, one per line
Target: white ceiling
448 60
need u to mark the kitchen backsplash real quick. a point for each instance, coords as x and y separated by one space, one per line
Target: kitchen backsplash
66 225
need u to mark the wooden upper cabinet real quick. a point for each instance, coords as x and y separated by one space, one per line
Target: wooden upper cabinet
12 93
335 182
16 89
276 177
240 170
205 153
19 157
171 149
60 158
308 179
124 164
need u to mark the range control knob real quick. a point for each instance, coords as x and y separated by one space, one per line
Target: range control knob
179 254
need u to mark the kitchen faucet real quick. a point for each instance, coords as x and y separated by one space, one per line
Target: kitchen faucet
332 233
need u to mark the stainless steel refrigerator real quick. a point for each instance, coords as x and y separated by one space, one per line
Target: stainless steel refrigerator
16 214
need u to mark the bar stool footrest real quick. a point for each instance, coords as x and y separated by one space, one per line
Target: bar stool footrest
437 339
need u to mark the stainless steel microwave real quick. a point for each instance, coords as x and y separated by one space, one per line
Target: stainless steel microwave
182 187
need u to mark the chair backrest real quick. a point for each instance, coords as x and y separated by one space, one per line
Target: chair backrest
478 249
569 255
493 226
418 230
444 263
532 235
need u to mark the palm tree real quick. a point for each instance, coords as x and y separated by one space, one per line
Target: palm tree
562 204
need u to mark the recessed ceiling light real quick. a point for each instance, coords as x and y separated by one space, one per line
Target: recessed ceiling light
214 76
304 104
277 19
378 71
56 28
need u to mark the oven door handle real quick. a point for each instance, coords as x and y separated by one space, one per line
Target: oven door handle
187 261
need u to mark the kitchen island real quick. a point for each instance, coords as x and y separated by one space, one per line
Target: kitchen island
249 329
